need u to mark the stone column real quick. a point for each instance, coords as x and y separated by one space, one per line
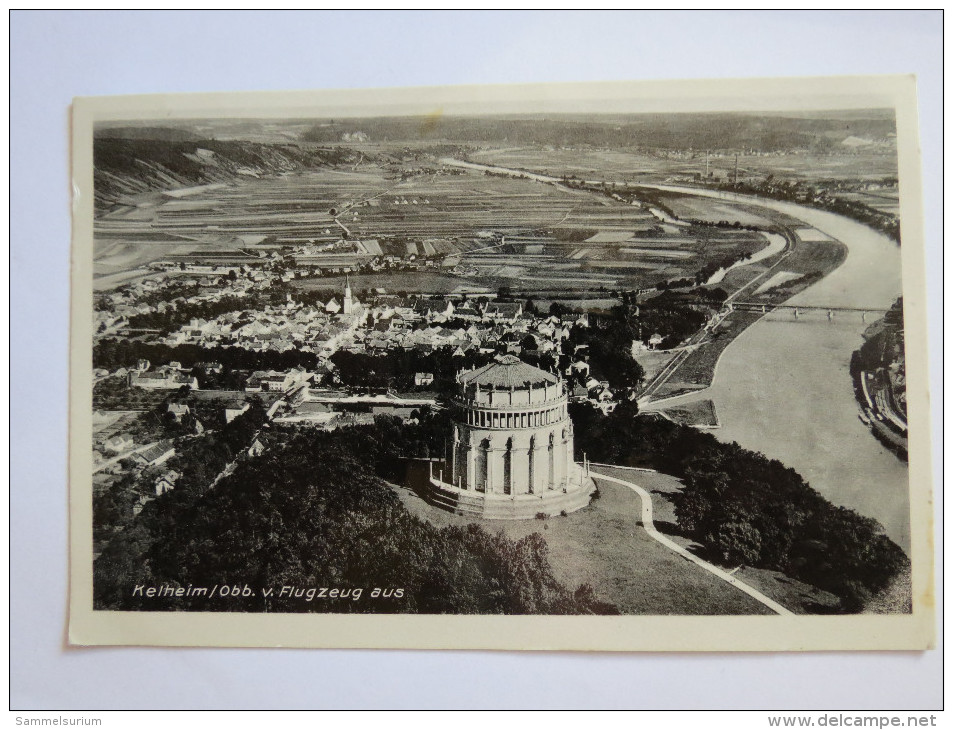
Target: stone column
506 482
551 479
559 459
469 481
519 465
567 447
495 467
532 458
453 455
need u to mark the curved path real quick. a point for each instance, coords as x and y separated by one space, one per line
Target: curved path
649 526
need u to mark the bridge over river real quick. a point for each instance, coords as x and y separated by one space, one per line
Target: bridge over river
783 387
798 309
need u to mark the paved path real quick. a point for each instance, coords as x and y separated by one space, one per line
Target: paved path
649 526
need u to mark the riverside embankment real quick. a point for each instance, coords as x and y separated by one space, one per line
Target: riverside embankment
783 386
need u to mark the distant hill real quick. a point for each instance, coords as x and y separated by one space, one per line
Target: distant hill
167 134
763 133
128 165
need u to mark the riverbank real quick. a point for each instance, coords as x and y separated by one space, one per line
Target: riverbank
783 386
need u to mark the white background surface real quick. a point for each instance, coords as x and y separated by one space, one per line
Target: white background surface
56 56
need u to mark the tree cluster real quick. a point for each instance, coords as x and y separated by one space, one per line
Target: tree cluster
747 509
608 342
198 459
816 196
313 513
172 319
395 369
112 353
673 317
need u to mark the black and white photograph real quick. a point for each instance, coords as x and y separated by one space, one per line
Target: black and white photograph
615 351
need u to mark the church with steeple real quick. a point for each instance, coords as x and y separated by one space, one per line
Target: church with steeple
351 305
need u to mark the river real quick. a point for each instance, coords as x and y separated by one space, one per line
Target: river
783 386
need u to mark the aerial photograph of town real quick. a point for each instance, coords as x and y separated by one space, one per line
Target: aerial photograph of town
560 364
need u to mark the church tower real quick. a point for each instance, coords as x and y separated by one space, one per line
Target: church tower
348 299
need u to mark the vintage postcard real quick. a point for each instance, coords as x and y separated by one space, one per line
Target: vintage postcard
628 366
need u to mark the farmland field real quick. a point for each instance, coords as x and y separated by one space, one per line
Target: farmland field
393 282
713 211
491 230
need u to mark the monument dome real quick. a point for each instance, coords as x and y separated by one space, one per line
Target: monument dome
512 446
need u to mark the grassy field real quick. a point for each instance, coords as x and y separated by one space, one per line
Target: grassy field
605 546
796 596
816 256
696 413
699 367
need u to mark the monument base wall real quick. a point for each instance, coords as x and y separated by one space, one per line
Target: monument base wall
510 507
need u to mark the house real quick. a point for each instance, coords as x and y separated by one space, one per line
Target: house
156 454
268 381
468 313
577 318
655 340
423 379
166 482
178 410
504 311
257 448
234 410
433 308
323 371
168 380
141 503
118 443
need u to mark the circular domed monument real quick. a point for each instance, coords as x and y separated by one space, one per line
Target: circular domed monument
512 455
